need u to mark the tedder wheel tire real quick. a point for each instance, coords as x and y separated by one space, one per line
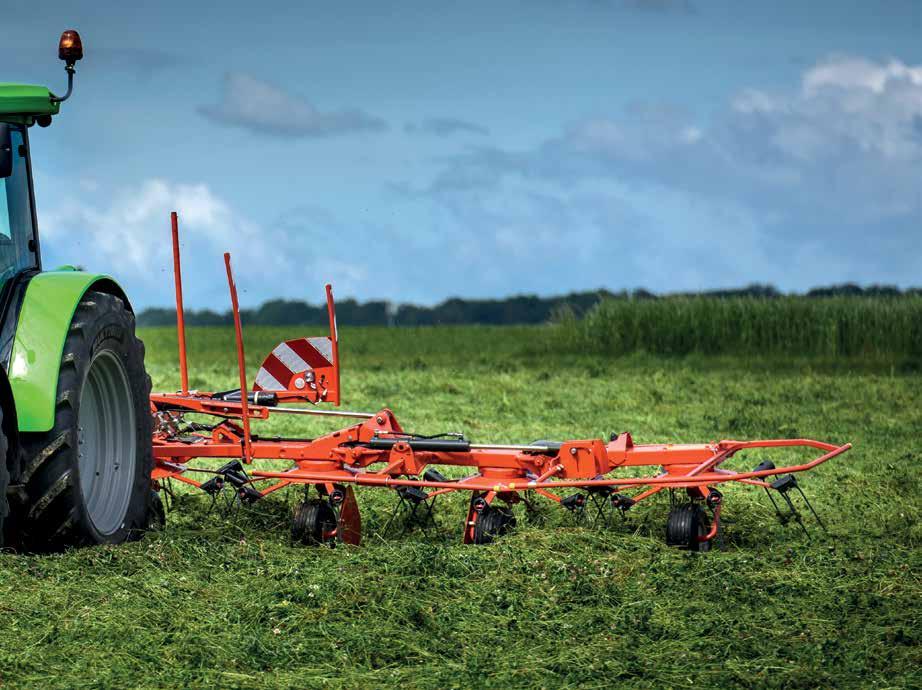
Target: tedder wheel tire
493 522
312 521
87 480
686 523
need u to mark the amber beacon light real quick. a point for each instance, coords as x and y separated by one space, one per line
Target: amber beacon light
70 47
70 50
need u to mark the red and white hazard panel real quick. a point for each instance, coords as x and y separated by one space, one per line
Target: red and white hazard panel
297 366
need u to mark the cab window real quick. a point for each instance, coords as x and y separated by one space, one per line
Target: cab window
16 214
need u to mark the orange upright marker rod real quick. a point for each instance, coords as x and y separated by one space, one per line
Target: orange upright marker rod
334 336
180 318
241 361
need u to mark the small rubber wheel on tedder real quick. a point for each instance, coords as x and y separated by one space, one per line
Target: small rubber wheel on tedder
687 522
313 522
492 522
87 480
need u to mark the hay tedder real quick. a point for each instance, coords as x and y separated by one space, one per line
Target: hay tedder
86 452
375 451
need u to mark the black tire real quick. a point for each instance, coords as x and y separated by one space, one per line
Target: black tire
102 372
4 476
686 523
493 521
312 521
156 516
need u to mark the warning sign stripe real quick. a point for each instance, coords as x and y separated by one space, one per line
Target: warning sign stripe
291 358
306 351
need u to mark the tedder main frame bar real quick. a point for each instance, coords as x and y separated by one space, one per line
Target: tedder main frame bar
375 451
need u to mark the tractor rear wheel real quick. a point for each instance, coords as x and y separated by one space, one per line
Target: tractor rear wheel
87 480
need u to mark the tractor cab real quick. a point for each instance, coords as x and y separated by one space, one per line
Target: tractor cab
75 436
21 106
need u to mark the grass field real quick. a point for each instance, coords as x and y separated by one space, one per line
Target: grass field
218 601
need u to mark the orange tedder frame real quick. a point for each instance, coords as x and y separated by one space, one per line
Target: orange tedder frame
376 451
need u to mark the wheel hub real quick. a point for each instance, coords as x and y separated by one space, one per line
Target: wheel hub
107 445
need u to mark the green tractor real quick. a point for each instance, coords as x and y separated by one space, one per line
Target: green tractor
75 431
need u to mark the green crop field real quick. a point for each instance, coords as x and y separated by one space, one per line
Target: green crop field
872 327
225 600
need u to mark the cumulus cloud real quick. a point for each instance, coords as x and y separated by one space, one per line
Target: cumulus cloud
858 73
779 186
259 106
814 184
445 127
126 234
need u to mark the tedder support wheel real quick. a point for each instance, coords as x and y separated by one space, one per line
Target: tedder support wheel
87 480
313 522
492 522
687 522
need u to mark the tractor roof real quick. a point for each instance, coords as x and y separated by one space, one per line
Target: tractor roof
23 102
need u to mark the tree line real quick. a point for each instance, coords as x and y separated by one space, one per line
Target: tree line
521 309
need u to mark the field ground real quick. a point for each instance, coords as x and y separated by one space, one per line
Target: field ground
215 601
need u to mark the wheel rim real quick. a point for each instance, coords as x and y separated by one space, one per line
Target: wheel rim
107 448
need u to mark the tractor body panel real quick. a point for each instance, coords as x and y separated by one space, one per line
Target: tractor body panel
22 103
44 320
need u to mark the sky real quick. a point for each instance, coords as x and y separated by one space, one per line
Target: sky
418 150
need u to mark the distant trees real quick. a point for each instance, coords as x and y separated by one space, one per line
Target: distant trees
520 309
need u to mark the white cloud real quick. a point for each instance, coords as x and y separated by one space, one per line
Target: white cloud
859 73
846 102
820 183
814 185
127 235
264 108
133 228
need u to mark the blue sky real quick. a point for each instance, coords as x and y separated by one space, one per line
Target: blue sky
414 151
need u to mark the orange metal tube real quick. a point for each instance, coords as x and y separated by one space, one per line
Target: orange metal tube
180 318
646 494
334 336
554 469
275 487
714 527
373 479
241 360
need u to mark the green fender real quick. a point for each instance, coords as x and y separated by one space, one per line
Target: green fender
44 320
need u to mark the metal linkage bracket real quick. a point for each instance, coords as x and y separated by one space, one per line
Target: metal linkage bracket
415 506
232 473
